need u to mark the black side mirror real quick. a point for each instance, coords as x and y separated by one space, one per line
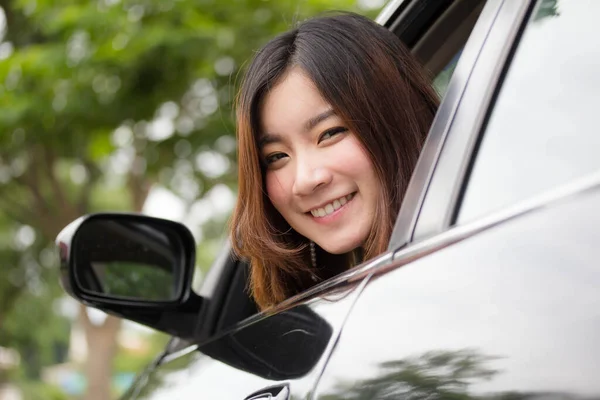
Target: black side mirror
140 268
132 266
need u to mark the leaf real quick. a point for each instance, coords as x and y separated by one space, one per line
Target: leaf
99 145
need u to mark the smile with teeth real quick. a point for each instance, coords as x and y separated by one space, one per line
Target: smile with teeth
331 207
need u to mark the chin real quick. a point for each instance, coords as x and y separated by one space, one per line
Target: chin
341 247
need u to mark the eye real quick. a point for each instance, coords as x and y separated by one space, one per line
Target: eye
329 133
274 157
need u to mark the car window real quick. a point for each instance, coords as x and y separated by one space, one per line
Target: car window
542 130
441 46
435 31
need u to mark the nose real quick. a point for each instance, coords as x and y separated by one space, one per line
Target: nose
310 175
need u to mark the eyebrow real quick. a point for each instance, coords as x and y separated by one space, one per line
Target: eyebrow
316 120
268 138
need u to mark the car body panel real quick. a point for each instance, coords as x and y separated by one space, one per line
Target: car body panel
515 306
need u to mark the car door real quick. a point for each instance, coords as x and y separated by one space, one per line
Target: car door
284 354
492 292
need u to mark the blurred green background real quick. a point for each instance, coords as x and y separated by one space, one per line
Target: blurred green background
119 105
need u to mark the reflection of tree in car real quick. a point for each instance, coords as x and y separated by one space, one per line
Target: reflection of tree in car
136 280
547 8
443 374
127 259
435 375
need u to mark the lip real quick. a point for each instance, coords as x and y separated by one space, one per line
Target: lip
334 215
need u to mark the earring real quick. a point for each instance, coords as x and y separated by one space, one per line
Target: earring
313 254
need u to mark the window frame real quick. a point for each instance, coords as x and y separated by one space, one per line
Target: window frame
436 185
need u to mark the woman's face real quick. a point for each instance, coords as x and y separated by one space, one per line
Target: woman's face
318 175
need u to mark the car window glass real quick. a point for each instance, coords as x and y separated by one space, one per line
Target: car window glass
440 48
542 131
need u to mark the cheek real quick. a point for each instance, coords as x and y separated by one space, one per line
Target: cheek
276 190
353 159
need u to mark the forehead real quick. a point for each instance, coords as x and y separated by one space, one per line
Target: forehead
291 103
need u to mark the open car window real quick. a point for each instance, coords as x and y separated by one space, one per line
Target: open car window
436 31
441 47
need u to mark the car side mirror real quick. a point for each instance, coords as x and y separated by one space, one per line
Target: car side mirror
132 266
140 268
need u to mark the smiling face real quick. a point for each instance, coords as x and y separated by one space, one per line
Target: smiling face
318 175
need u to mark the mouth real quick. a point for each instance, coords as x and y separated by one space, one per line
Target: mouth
332 207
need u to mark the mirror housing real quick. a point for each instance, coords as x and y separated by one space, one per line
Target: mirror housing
134 267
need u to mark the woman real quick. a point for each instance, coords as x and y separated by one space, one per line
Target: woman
331 117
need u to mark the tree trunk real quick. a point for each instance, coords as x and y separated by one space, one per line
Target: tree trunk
102 347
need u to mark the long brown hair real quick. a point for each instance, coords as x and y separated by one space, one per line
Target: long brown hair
374 84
